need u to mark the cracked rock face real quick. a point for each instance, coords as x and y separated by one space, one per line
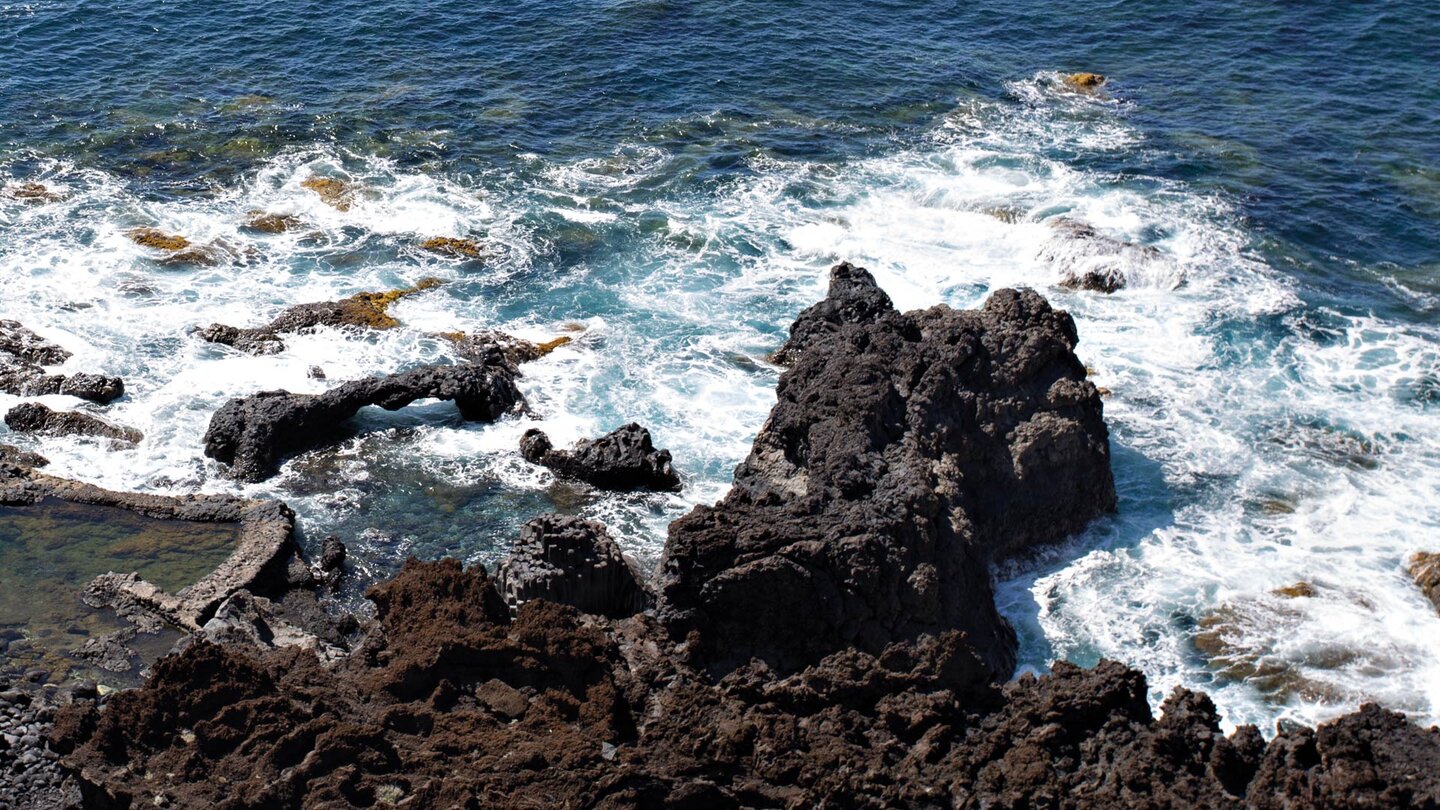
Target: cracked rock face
623 459
906 451
255 434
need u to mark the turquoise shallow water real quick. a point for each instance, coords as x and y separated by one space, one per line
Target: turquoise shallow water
676 177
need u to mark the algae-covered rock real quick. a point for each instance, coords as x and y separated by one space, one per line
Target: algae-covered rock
156 239
367 310
458 248
261 222
1084 81
517 350
33 193
335 193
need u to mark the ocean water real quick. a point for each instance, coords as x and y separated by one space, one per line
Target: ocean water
676 177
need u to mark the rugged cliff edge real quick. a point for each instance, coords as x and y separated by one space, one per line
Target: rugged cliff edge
823 637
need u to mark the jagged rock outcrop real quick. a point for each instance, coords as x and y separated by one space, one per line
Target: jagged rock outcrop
1091 260
906 451
28 347
623 459
369 310
571 562
32 417
255 434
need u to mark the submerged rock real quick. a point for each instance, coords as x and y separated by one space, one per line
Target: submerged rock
255 434
335 193
572 562
623 459
33 193
454 247
905 453
1091 260
1424 568
32 417
262 222
369 310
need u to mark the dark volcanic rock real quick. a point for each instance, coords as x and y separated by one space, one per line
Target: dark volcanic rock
29 347
32 381
367 309
256 433
905 453
451 703
32 417
622 459
517 350
10 454
572 562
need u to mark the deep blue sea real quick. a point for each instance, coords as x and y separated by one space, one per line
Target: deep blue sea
676 177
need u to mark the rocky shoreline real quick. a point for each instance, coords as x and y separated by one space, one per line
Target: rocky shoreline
824 636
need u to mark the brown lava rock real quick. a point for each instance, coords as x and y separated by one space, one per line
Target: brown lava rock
335 193
454 247
262 222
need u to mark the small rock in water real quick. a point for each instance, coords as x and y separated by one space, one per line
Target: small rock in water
1084 81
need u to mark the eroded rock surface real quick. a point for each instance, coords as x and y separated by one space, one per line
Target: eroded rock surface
22 353
255 434
369 310
906 451
623 459
1424 568
572 562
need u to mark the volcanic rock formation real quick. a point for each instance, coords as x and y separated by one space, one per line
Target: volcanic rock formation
623 459
22 353
255 434
905 453
572 562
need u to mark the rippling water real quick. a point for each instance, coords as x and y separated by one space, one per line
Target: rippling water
677 176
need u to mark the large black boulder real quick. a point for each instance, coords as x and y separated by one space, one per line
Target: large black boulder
571 561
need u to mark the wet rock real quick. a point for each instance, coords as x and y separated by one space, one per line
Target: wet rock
255 434
28 347
332 554
335 193
26 380
9 454
517 350
1424 568
316 373
456 248
32 417
623 459
572 562
1299 590
33 193
364 310
156 239
906 451
261 222
1084 81
1091 260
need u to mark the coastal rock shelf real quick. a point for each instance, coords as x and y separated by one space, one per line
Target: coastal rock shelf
905 453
